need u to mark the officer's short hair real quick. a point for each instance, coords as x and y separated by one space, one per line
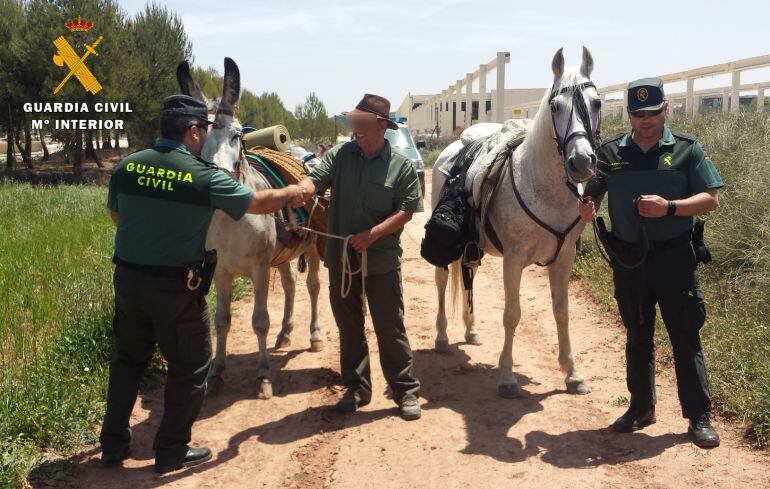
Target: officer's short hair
174 126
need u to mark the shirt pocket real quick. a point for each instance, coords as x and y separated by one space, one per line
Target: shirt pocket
378 198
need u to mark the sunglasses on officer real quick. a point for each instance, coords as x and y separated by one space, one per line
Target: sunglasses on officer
638 114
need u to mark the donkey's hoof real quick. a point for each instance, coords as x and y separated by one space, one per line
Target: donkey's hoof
509 391
473 339
214 385
579 388
316 345
282 341
442 346
264 389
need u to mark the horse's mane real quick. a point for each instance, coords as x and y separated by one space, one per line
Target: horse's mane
540 136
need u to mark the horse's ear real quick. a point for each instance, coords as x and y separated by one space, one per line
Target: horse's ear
231 90
557 65
186 82
588 63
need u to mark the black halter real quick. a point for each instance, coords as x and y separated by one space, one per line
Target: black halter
579 105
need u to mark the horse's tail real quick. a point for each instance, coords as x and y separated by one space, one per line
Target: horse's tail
455 286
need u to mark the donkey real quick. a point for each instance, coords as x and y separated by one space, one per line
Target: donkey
245 247
558 148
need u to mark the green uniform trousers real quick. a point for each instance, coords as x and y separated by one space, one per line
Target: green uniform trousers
668 278
150 310
386 306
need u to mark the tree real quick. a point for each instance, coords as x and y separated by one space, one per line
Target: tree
312 120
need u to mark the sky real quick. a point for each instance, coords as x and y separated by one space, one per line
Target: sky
341 49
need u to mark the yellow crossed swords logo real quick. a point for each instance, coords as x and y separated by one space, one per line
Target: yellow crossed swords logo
75 63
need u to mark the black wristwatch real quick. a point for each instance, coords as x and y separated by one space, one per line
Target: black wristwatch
671 208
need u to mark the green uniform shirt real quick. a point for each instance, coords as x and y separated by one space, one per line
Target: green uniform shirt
364 193
165 197
677 167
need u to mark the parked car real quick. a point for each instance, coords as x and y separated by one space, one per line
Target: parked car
401 138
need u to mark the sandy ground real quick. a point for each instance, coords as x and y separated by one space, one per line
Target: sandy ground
467 436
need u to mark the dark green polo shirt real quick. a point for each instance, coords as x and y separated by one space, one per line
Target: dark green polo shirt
364 192
165 197
675 168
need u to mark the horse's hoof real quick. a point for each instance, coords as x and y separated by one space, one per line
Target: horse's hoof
214 385
316 345
509 391
264 389
442 346
473 339
580 388
282 342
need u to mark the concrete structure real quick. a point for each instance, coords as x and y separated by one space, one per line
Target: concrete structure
458 106
690 101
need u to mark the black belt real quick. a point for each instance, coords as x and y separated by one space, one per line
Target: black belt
157 270
670 243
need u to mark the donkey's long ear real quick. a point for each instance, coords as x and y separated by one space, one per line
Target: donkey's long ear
557 65
232 86
186 82
588 63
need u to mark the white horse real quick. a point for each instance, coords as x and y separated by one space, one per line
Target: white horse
246 247
558 149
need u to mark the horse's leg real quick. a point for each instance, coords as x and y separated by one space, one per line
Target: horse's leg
313 289
224 285
471 335
289 284
260 323
508 386
442 340
558 275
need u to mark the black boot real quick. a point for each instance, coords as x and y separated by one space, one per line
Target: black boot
193 457
113 458
634 419
352 400
703 434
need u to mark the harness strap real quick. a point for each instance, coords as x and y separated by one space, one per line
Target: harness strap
560 236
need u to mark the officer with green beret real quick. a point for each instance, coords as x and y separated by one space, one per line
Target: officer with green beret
375 191
656 180
162 200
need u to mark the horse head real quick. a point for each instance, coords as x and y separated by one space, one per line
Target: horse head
223 144
575 107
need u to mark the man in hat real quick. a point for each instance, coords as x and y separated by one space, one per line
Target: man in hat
162 200
374 192
656 180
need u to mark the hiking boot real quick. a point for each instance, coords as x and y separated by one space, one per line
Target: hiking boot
113 458
193 457
703 434
351 401
634 419
410 408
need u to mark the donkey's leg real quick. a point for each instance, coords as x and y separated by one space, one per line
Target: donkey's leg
471 335
224 285
558 275
260 322
508 386
442 340
289 284
313 289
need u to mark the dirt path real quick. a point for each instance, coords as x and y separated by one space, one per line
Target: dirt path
467 437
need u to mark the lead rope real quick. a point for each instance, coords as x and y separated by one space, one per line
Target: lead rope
347 267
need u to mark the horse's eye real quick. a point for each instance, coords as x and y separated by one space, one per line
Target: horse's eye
235 136
554 107
597 104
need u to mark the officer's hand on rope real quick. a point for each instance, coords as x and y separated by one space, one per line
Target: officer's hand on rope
587 209
652 206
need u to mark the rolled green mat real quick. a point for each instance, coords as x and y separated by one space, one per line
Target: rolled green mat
274 137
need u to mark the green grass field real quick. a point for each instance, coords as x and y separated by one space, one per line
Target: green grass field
736 284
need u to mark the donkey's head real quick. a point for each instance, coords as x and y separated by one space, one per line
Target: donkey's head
575 108
223 145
